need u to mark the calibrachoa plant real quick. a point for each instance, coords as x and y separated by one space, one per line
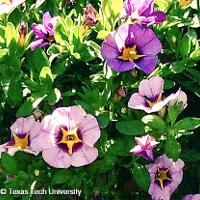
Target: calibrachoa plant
99 99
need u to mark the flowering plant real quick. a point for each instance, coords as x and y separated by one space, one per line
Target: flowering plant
99 99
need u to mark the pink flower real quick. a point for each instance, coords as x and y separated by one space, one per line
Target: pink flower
149 98
165 177
23 134
7 6
192 197
145 147
68 137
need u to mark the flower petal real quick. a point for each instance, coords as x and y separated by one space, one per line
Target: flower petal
148 45
89 130
56 157
151 88
84 156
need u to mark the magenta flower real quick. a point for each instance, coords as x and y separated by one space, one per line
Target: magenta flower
192 197
143 12
149 98
23 134
145 147
44 32
6 6
69 135
165 177
131 47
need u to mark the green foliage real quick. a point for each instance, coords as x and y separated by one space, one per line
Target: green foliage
130 127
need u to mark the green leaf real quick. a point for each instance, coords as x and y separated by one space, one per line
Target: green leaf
103 119
177 67
61 176
131 127
61 31
186 124
195 54
155 122
37 60
3 52
122 146
10 164
172 148
185 46
25 109
15 93
46 72
10 33
141 176
102 34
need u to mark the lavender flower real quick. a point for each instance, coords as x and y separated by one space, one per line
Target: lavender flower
143 12
69 135
23 134
44 32
149 98
145 147
192 197
165 177
131 47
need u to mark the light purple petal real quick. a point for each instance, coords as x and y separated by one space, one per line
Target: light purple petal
23 125
84 156
89 130
69 116
36 43
56 157
137 101
151 88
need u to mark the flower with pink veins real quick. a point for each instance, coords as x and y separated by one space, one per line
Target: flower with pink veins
6 6
69 134
145 147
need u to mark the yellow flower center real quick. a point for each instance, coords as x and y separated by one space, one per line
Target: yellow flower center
130 54
19 142
184 3
151 104
8 2
70 138
161 176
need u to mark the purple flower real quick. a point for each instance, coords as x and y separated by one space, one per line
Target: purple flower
90 15
6 6
145 147
44 32
143 12
165 177
69 135
131 46
149 97
192 197
23 134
